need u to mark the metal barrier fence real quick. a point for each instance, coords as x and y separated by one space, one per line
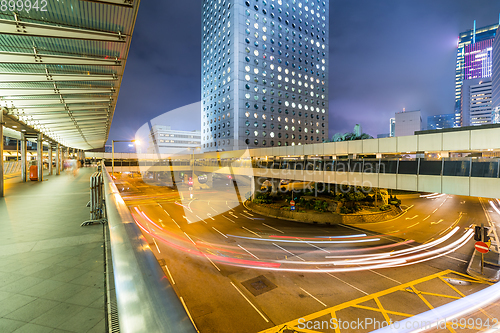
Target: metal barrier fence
96 202
11 167
146 300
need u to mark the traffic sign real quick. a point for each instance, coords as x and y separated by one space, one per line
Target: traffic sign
292 203
292 208
482 247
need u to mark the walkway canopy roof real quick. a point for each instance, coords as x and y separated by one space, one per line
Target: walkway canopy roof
61 66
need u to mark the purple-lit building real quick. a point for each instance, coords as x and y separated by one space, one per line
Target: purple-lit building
478 60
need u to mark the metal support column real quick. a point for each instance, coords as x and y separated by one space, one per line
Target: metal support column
24 162
58 160
39 157
50 159
1 154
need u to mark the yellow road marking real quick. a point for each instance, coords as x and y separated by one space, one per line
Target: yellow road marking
375 296
378 310
419 294
334 316
382 310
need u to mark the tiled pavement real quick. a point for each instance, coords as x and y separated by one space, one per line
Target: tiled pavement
51 269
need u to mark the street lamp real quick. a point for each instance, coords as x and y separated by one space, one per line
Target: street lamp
136 142
192 169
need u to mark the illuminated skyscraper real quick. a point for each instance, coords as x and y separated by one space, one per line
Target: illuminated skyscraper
264 73
474 44
495 81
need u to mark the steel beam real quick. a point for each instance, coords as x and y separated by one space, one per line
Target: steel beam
24 162
48 109
126 3
39 157
37 77
7 93
50 160
58 160
16 27
47 102
45 59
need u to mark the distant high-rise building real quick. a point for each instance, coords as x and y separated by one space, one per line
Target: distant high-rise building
477 54
407 123
264 73
164 140
392 127
476 102
440 121
495 81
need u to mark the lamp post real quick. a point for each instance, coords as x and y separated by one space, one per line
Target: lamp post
136 142
192 168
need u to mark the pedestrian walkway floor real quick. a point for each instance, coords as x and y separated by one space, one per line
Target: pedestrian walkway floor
51 269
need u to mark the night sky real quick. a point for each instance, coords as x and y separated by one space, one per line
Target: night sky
385 55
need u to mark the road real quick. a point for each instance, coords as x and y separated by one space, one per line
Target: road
238 271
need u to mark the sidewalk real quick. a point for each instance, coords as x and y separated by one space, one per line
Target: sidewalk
51 269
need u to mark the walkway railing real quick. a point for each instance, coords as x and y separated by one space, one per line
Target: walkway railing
146 300
11 167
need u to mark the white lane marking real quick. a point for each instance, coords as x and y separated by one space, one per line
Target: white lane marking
253 306
434 210
189 238
212 262
288 251
385 276
176 223
232 214
273 228
248 213
214 210
457 259
227 218
437 222
171 277
219 232
248 217
191 318
250 253
256 234
426 218
199 218
313 245
412 225
411 218
154 241
314 297
350 285
210 215
187 219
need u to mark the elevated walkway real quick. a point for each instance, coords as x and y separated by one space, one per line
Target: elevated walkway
51 269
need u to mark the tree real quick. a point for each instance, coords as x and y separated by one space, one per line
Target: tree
351 136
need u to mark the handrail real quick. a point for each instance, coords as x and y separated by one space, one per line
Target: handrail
146 300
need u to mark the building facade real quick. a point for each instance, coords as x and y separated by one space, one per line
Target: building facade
392 128
476 102
264 73
440 121
495 81
466 40
407 123
164 140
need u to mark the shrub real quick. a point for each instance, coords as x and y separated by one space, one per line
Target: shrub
385 207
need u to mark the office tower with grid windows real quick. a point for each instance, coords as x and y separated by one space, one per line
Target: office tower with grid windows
264 73
495 79
473 60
